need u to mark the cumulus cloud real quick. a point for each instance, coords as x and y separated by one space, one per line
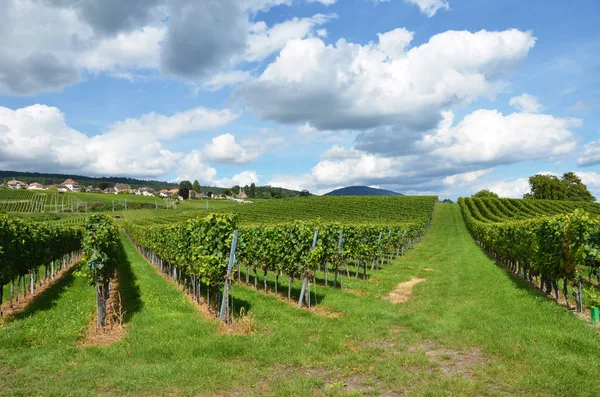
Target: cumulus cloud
224 79
355 86
264 41
224 149
449 155
590 155
203 36
430 7
37 137
489 137
44 44
526 103
466 178
242 179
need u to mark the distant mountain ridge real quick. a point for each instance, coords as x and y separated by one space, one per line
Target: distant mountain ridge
362 191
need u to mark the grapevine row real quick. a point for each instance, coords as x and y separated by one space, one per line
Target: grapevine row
551 248
25 247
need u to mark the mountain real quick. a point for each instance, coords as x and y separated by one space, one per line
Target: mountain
362 191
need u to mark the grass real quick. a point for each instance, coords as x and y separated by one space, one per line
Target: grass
470 329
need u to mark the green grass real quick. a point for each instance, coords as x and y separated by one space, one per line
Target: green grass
524 343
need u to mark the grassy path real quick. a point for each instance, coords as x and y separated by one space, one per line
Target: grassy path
469 329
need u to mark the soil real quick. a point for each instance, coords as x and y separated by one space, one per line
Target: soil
403 291
114 330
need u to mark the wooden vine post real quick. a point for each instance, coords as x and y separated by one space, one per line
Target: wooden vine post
305 282
224 315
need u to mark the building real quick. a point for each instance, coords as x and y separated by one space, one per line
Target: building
63 188
122 187
164 193
145 191
174 192
35 186
14 184
71 185
242 194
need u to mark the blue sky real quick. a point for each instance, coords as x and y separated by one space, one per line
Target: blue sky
419 96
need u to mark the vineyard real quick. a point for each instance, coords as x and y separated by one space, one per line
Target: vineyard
300 297
501 210
194 252
553 244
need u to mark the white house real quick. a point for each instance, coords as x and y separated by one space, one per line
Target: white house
71 185
14 184
122 187
35 186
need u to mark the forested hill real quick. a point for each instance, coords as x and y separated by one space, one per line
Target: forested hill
362 191
54 179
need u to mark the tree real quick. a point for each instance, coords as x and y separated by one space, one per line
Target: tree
550 187
235 190
196 186
304 193
252 190
185 184
546 187
485 193
103 185
227 192
575 189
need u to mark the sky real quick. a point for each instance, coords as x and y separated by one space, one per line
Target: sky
440 97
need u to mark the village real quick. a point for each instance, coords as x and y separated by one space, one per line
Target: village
71 186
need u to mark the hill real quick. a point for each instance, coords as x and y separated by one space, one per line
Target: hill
362 191
53 179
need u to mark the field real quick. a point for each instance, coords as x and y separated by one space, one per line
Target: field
463 326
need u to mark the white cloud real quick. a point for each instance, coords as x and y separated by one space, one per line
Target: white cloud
37 137
191 168
430 7
170 127
352 86
592 181
489 137
449 156
264 41
466 178
224 149
225 79
507 189
139 49
590 155
242 179
526 103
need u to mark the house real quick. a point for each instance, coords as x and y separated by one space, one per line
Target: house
122 187
35 186
241 194
164 193
145 191
63 188
200 195
71 185
14 184
110 190
174 192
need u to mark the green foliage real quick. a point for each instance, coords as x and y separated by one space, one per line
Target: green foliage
101 249
199 247
485 193
26 245
550 187
558 246
196 186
